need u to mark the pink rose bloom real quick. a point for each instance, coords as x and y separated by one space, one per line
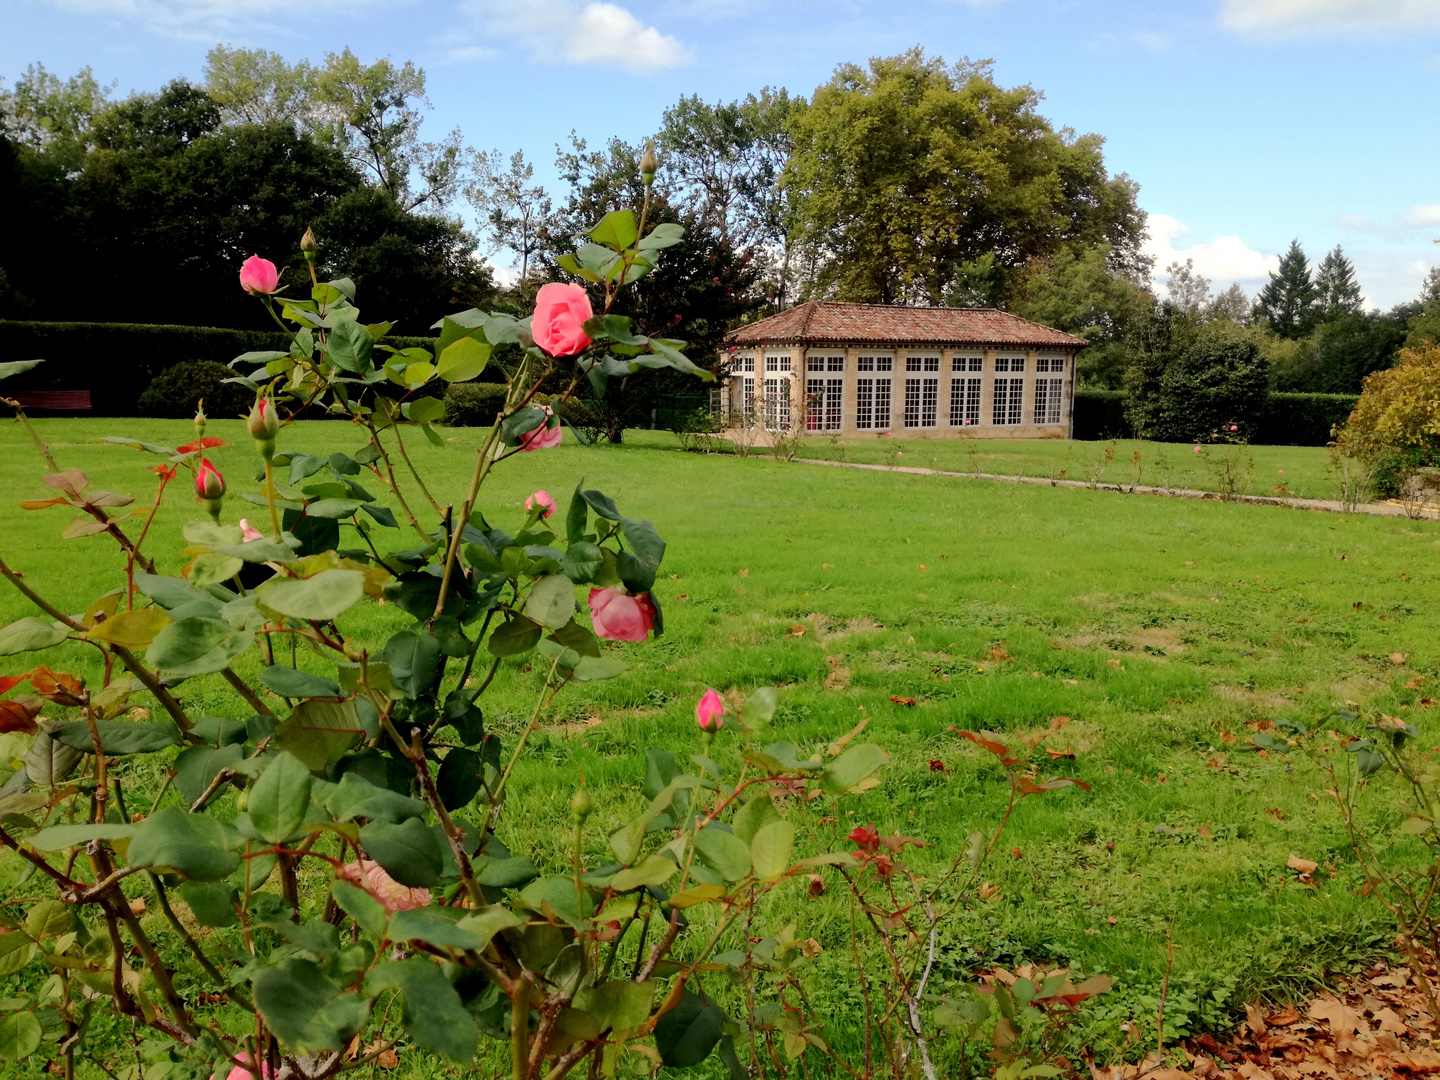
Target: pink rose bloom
248 532
1234 427
1282 472
1197 449
560 312
259 275
709 714
541 498
240 1072
374 880
619 616
543 437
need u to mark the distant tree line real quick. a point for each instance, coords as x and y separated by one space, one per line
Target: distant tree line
906 180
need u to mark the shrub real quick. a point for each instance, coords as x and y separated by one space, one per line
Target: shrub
177 391
1303 419
473 404
1396 423
1100 414
1216 383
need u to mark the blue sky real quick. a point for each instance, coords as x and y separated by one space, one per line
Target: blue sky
1246 122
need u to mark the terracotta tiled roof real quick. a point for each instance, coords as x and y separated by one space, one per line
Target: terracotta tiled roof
822 322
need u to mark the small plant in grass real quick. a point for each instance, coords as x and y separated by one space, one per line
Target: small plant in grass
1101 465
319 879
1226 457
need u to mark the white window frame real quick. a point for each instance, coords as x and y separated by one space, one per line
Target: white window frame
873 401
1007 402
965 401
825 398
1049 393
777 402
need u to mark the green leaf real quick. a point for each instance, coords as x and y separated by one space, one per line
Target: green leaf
356 797
754 815
280 798
601 503
854 770
29 634
293 997
551 601
462 775
19 1033
320 733
287 682
579 638
425 410
592 669
349 346
760 708
429 926
409 852
197 646
770 849
196 766
519 423
553 895
48 761
16 951
724 852
463 360
617 1005
582 561
58 837
118 736
332 509
47 919
212 903
192 845
506 873
15 367
516 636
414 659
484 925
616 230
327 595
666 234
431 1011
653 870
687 1033
368 913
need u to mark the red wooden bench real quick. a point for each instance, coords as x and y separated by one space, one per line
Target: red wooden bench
57 400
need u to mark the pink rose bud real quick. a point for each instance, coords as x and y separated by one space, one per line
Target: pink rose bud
259 275
541 498
543 437
618 616
209 484
1282 472
560 313
248 532
1234 427
709 714
371 877
1197 449
263 421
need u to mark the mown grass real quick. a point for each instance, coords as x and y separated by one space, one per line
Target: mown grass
1287 471
1160 627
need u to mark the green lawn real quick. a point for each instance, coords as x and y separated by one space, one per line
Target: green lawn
1160 627
1289 471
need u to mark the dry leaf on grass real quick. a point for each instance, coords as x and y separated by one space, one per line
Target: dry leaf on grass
1301 866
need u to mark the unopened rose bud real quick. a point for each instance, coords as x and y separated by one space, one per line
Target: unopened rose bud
200 419
648 165
580 803
210 487
307 246
263 423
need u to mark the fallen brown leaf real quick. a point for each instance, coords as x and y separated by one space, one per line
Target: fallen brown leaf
907 701
1301 866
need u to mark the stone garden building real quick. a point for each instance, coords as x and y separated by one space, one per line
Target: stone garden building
869 369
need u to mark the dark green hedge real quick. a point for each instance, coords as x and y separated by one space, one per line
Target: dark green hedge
473 404
1304 419
117 361
1100 414
1288 419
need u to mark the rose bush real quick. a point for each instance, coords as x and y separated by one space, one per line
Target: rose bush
320 853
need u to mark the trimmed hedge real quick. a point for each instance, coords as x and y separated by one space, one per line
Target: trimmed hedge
1100 414
116 362
1288 419
1304 419
473 404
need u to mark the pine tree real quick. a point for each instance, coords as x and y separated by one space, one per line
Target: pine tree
1337 291
1287 302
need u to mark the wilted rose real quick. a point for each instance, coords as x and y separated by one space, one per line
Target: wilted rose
371 877
618 616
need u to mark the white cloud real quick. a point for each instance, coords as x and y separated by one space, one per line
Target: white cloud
1223 260
202 20
1328 16
1421 215
564 32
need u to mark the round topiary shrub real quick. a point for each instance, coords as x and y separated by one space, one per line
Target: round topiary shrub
177 391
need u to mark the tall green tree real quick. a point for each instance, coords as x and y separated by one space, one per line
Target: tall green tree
1288 300
1337 292
515 212
904 170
